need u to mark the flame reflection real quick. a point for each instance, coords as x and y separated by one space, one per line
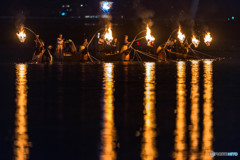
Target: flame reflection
108 134
21 144
194 132
207 111
149 151
180 135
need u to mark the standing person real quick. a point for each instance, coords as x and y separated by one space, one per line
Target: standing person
85 43
126 40
60 42
115 46
125 44
84 47
101 43
38 45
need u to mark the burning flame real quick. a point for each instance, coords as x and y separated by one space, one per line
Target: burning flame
21 35
208 39
195 41
108 35
149 37
181 36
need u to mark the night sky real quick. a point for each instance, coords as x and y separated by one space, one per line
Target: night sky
162 8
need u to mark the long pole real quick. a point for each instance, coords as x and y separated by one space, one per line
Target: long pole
30 30
136 38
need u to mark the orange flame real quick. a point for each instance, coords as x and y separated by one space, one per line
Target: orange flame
108 35
195 41
149 37
21 35
208 39
181 36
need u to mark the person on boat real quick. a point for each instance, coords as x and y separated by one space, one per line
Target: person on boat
38 57
38 45
85 43
60 43
170 42
101 43
70 47
161 52
126 42
47 55
84 47
151 47
115 46
126 45
185 49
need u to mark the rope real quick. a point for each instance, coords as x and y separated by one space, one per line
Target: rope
95 58
90 57
181 54
203 53
136 38
194 53
138 57
145 54
94 37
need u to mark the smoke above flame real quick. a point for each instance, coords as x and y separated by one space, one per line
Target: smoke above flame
143 13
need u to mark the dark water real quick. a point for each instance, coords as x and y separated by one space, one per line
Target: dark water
181 110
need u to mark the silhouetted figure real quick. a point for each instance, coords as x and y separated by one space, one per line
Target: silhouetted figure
115 46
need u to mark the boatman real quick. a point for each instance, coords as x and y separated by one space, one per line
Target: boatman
60 42
115 46
151 47
126 40
38 45
101 43
85 43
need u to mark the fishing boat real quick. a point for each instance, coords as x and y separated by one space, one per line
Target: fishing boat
164 52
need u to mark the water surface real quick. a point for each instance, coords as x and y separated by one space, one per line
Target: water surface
179 110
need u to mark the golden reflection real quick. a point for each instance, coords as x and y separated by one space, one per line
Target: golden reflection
149 151
207 111
180 135
108 134
21 144
194 132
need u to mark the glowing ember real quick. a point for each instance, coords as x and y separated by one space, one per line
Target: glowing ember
21 35
108 35
149 37
208 39
181 36
195 41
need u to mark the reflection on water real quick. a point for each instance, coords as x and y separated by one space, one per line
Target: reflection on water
21 144
180 135
180 149
149 151
194 132
108 134
207 112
